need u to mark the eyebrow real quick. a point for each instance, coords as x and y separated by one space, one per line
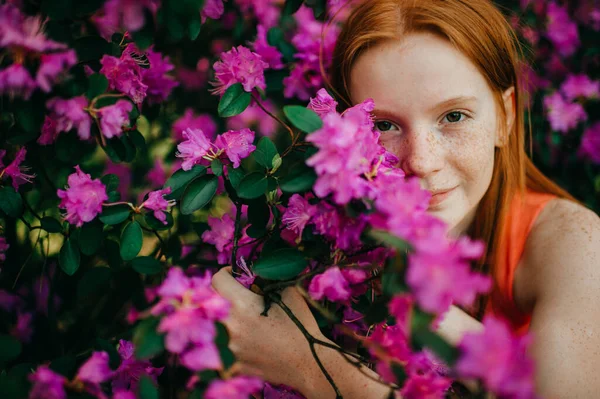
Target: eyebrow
451 102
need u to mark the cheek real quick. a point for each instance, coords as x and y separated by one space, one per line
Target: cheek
471 154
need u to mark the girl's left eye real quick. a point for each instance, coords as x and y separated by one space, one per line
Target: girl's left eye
454 117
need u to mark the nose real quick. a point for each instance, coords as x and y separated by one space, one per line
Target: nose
421 153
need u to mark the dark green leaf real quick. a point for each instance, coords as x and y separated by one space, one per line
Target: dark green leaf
235 176
111 181
298 182
147 388
199 193
259 213
146 265
10 348
234 101
378 311
90 237
265 152
194 28
11 202
69 257
281 264
424 338
252 185
97 84
276 38
389 240
93 281
138 141
181 179
51 225
112 254
148 343
132 239
291 6
113 354
217 167
115 214
303 118
156 224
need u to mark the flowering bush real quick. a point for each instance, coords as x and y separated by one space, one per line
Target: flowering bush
119 198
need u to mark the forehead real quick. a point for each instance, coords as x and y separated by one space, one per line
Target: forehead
419 70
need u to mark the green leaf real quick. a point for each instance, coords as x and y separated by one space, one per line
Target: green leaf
108 347
424 338
11 202
180 179
69 257
276 38
217 167
298 182
97 84
90 237
10 348
115 214
281 264
139 142
194 28
265 153
234 101
147 388
94 280
146 265
291 6
252 185
389 240
199 193
235 176
132 239
303 118
111 182
148 343
156 224
259 213
51 225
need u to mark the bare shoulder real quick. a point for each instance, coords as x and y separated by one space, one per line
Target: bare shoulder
563 250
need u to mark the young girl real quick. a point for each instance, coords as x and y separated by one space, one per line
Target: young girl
444 78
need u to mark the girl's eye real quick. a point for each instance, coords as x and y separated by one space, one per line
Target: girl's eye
384 126
454 117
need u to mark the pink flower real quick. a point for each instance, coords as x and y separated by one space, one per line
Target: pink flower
239 387
202 356
236 144
18 31
67 114
563 116
47 384
158 204
15 171
203 122
16 81
261 46
323 104
331 285
49 132
120 394
157 175
124 75
239 65
590 143
246 277
96 369
193 79
255 117
126 15
83 197
499 359
266 12
195 149
221 236
52 66
130 370
23 329
561 30
212 9
580 86
114 117
160 84
298 214
439 276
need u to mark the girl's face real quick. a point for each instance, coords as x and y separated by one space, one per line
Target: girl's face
437 114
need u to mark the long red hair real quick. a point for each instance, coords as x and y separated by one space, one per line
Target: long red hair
481 32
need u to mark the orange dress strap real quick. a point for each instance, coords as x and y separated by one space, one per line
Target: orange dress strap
522 213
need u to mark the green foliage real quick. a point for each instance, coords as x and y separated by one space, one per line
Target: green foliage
281 264
234 101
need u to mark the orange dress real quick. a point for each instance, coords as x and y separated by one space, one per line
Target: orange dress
521 216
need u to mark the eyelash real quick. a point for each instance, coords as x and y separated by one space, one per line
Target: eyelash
462 114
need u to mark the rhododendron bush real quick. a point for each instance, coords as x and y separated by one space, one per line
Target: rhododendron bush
146 144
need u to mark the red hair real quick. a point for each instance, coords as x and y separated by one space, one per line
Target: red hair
481 32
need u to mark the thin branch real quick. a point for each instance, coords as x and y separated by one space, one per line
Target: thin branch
282 123
236 237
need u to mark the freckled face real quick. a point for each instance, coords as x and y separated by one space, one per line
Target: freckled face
436 112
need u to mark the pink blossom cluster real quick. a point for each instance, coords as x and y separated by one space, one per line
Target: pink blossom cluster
221 235
189 308
314 41
24 39
123 15
266 12
18 173
231 147
95 371
82 198
239 65
261 46
190 120
157 203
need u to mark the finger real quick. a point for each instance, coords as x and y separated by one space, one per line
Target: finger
227 286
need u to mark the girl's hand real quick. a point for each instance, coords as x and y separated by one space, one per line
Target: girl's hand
272 347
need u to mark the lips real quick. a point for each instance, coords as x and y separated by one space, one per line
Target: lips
439 196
